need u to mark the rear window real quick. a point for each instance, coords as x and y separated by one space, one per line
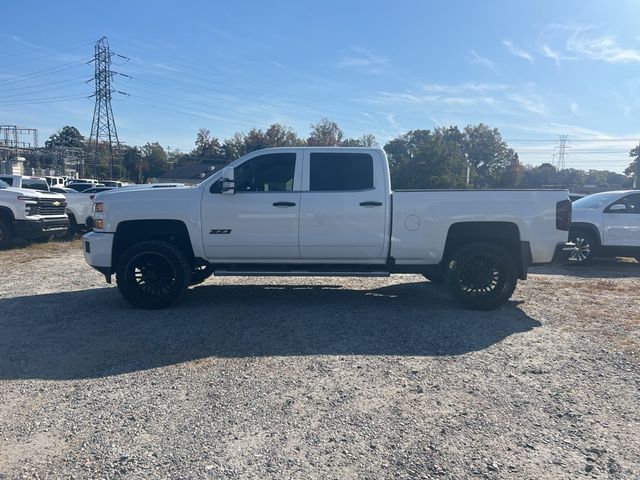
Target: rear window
8 180
340 172
35 184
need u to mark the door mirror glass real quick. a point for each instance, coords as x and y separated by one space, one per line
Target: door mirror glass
618 207
228 181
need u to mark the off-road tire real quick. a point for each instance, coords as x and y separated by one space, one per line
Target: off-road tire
481 276
6 235
153 274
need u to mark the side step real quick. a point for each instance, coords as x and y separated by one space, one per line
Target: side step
296 273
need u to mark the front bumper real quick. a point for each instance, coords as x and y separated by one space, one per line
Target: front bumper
98 247
30 229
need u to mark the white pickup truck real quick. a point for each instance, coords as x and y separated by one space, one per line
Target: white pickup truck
30 214
321 211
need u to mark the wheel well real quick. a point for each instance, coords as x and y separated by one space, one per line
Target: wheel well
586 226
6 214
503 234
135 231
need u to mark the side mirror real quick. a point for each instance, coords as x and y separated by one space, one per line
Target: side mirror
618 207
228 182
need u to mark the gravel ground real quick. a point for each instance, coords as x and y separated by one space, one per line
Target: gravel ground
317 378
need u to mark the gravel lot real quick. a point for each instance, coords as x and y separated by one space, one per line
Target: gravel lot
317 378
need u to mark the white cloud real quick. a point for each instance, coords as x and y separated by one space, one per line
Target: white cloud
552 54
480 60
517 51
530 104
464 87
574 108
605 48
365 61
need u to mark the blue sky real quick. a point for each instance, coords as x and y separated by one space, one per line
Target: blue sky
534 70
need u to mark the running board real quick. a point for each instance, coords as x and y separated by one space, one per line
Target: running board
296 273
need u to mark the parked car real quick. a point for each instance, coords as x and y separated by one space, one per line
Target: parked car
111 183
79 207
606 225
55 181
30 214
321 211
23 181
81 180
81 187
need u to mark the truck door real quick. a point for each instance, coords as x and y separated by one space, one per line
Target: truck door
343 208
622 227
259 221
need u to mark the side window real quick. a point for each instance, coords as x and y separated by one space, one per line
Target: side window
340 172
8 180
632 202
272 172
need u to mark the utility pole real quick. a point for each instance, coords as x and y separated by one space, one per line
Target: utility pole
103 126
562 151
637 172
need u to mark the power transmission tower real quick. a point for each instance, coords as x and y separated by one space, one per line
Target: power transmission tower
103 126
562 151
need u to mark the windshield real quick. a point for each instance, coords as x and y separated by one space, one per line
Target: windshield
596 200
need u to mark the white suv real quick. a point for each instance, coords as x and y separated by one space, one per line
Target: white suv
606 225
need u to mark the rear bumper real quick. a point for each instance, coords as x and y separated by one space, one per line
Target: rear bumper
97 249
30 229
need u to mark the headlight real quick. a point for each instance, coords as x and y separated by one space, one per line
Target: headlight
31 205
98 207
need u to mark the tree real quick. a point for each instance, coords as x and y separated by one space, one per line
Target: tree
425 159
67 136
494 163
633 170
132 163
366 140
540 176
207 147
325 133
154 160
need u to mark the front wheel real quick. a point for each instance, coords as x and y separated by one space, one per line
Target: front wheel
482 276
153 274
6 235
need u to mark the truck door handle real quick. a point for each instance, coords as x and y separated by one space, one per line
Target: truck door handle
284 204
370 204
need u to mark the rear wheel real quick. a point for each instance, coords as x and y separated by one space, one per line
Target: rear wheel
6 235
153 274
73 227
482 276
586 246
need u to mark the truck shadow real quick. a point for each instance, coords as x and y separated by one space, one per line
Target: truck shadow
598 268
95 333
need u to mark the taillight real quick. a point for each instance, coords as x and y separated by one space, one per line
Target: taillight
563 215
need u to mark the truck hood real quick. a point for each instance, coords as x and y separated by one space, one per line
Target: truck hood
27 192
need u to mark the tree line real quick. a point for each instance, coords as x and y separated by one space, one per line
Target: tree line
446 157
